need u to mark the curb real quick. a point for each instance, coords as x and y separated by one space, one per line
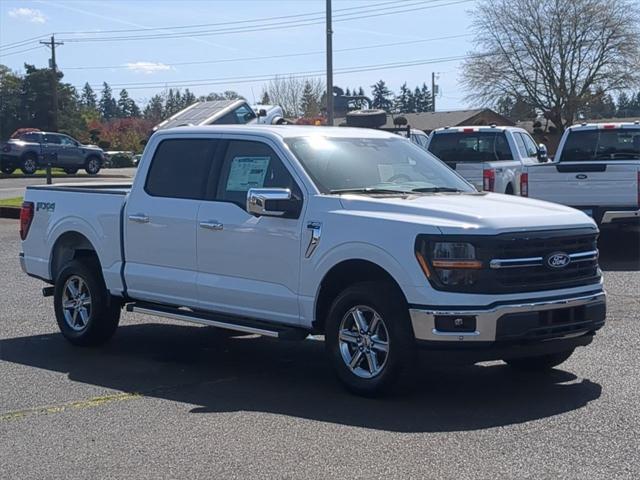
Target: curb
10 212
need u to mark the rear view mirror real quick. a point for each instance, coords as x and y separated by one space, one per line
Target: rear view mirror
262 112
272 202
542 153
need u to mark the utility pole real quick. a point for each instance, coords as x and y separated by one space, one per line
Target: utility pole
52 44
329 66
433 91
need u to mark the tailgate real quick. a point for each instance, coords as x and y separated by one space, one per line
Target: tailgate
471 171
583 184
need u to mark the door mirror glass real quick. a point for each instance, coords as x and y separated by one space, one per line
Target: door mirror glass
542 153
274 202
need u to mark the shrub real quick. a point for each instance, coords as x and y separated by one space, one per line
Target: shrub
121 160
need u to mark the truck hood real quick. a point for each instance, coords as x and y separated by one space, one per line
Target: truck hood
481 213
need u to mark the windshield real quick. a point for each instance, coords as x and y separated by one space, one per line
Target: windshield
373 165
611 144
472 147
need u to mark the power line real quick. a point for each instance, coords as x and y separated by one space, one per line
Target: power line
267 77
20 43
234 22
20 51
277 25
284 55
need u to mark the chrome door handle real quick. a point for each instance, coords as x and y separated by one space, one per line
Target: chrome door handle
139 218
211 225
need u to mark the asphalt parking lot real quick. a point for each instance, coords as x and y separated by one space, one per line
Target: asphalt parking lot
167 400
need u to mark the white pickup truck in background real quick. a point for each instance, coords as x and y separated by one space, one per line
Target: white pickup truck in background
596 169
351 233
491 158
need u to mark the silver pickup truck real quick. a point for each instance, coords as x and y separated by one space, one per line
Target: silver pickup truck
33 150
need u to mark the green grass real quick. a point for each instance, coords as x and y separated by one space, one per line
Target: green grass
11 202
55 172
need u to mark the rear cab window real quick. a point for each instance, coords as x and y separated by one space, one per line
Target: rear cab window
471 147
601 144
180 168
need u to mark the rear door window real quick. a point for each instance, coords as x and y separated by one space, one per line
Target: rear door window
180 168
53 139
601 144
470 147
31 137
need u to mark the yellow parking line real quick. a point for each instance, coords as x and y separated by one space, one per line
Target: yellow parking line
89 403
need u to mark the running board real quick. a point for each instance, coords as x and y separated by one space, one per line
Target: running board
281 332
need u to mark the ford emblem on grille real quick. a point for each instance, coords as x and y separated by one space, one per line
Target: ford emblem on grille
557 260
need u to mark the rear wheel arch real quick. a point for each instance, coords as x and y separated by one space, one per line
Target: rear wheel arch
343 275
69 246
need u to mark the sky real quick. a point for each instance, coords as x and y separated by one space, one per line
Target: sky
217 45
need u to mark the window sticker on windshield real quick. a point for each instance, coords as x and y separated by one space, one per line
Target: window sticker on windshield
246 173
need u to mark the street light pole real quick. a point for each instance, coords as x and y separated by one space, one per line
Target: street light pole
329 66
54 96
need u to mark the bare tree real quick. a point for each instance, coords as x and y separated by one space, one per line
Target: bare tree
288 92
551 54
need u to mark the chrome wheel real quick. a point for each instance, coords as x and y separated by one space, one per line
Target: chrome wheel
93 166
364 341
76 303
29 165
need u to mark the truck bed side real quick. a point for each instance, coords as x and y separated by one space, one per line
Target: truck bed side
64 213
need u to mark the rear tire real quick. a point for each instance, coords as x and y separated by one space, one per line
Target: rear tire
366 118
70 171
369 355
8 170
86 313
92 165
539 363
29 164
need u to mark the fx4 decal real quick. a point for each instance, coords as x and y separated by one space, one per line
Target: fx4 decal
45 206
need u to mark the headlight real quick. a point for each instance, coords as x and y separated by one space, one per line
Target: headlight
453 263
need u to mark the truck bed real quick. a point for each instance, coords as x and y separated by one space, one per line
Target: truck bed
87 187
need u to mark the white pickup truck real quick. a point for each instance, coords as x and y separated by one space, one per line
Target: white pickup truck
596 169
286 231
493 158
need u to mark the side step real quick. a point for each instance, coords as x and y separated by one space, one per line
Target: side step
228 322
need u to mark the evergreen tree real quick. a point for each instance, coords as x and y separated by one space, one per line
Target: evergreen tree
88 98
107 106
623 107
426 101
127 106
188 98
382 96
402 100
309 102
265 98
347 93
154 110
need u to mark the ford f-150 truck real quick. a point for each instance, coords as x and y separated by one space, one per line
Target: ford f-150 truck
492 158
596 169
286 231
33 150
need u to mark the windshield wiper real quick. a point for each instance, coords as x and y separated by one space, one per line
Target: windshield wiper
368 190
609 156
436 190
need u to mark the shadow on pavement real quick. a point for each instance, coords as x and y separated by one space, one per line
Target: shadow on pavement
620 249
205 367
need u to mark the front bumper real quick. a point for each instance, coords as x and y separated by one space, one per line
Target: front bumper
530 321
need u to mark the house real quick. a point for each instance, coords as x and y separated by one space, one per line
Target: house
429 121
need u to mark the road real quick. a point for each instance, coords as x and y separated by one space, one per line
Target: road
167 400
14 187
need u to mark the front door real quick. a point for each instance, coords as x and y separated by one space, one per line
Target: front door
70 155
160 222
249 266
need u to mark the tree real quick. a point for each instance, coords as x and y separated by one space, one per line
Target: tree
287 93
154 110
10 109
425 102
401 103
188 98
600 105
551 54
107 106
310 101
127 107
623 106
382 96
88 97
265 100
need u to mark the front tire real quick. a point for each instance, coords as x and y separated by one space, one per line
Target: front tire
92 166
539 363
29 164
86 314
369 338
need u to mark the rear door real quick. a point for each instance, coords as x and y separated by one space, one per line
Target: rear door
596 166
52 149
70 155
160 222
249 266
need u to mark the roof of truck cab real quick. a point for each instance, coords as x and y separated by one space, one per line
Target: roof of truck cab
604 125
283 131
478 128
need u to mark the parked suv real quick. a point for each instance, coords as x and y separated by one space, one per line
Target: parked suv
492 158
33 150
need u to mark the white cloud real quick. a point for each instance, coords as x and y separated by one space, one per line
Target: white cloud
147 67
32 15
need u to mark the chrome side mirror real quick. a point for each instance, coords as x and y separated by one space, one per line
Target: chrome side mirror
274 202
543 155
